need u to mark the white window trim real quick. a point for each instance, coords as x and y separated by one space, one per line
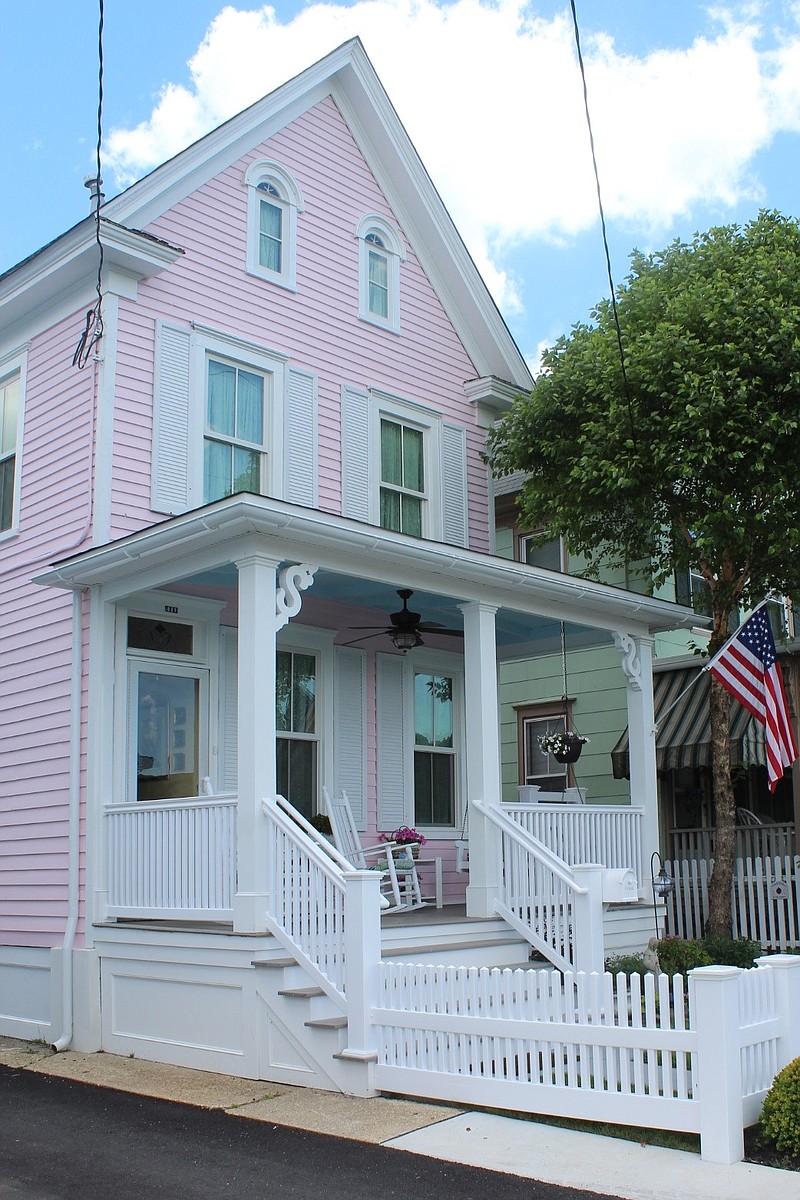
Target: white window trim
383 405
290 201
424 661
395 252
213 343
16 363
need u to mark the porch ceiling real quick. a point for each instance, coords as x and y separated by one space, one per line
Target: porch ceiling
361 565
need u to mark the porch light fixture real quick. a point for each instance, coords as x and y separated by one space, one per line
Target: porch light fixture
405 639
663 884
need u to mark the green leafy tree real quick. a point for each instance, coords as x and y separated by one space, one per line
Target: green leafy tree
689 457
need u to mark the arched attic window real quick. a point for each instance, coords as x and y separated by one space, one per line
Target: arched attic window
380 253
274 200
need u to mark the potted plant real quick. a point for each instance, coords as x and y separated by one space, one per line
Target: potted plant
405 836
564 745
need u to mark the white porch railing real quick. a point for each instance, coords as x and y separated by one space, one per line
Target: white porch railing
752 841
171 858
586 833
308 911
540 897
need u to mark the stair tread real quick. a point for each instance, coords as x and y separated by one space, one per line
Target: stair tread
274 962
301 991
435 947
339 1022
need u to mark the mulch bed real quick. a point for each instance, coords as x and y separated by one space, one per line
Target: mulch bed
763 1153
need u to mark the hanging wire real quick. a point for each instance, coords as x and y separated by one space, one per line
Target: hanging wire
614 310
93 328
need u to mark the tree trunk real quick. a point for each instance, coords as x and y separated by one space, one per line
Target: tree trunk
719 891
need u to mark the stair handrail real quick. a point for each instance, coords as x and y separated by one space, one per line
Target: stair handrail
563 920
303 883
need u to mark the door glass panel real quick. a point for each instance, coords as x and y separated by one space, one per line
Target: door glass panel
167 745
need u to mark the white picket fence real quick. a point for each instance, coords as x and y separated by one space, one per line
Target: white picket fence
765 900
645 1051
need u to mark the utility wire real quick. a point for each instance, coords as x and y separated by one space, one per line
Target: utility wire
614 310
93 328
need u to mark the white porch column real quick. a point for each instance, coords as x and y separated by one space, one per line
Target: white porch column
637 666
482 754
263 610
257 761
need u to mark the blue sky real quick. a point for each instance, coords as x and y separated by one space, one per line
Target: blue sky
696 109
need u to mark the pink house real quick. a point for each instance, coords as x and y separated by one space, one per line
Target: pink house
203 531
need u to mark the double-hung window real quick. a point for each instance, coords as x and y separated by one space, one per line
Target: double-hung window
434 750
235 441
274 200
537 766
10 392
402 491
296 724
381 252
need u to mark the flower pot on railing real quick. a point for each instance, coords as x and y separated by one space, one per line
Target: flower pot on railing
564 747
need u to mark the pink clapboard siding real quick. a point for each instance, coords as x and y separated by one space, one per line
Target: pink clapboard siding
36 627
317 326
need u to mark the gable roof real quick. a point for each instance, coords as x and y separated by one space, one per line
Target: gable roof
347 76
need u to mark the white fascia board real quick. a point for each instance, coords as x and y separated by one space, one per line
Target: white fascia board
188 170
58 273
418 206
229 529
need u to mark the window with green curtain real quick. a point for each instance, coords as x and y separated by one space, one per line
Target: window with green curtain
402 492
434 753
234 451
270 230
9 420
295 722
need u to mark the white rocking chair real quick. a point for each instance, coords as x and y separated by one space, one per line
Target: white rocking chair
399 880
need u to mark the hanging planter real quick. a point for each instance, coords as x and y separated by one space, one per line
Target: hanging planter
565 747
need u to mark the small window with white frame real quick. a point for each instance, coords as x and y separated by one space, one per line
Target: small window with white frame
274 200
381 251
550 555
538 766
10 434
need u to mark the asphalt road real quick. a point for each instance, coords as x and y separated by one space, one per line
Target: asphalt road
60 1139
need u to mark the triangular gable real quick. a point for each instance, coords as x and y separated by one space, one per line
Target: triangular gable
349 78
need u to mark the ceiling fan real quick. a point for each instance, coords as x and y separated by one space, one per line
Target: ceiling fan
406 627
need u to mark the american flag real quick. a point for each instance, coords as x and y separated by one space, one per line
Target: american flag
747 665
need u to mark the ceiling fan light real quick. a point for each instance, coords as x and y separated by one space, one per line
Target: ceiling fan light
405 639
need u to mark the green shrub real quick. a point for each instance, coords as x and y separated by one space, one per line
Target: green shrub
732 952
677 956
628 964
780 1116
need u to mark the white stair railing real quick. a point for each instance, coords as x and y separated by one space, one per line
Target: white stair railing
540 896
306 909
610 834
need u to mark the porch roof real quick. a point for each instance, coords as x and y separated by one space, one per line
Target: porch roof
202 547
683 721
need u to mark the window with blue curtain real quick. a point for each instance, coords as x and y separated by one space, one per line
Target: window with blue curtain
234 449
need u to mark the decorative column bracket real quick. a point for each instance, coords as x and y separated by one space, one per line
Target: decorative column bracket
631 661
292 581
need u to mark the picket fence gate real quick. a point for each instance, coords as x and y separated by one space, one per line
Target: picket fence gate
646 1051
765 900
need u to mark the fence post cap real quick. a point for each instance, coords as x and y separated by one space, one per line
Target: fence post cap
714 972
782 961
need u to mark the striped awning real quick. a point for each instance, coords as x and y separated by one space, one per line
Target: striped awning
683 738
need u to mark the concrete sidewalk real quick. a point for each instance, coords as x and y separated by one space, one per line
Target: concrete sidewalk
518 1147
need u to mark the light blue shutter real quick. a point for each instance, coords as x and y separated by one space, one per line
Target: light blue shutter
349 723
228 710
454 485
171 442
355 455
300 440
393 744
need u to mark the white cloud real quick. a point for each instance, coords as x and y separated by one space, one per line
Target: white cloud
491 96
